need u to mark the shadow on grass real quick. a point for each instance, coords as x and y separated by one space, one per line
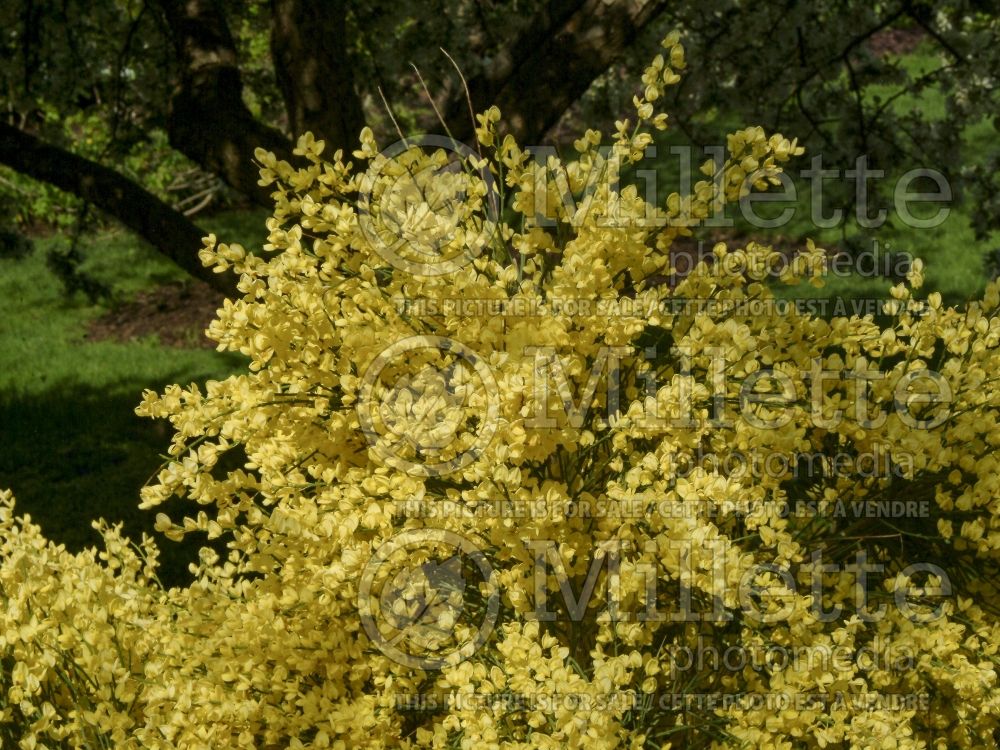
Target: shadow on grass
75 453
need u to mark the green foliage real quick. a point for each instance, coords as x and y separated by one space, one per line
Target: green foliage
901 82
88 77
251 29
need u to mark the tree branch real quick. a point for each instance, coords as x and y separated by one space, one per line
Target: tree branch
208 121
167 230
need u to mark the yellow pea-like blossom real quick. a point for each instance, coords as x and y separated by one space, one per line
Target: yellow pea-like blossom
600 454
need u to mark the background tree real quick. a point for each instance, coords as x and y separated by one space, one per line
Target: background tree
173 97
835 82
134 70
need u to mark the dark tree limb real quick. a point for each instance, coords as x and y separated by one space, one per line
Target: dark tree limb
169 231
308 43
208 121
552 64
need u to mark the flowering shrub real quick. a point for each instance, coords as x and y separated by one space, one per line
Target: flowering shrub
492 480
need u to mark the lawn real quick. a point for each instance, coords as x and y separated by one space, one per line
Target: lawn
71 447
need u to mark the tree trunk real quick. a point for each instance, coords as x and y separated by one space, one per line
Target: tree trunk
208 121
308 50
169 231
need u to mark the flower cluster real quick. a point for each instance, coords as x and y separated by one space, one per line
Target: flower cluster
335 609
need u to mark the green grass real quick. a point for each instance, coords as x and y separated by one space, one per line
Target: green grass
71 447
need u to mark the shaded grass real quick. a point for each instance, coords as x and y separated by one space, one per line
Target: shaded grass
71 447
